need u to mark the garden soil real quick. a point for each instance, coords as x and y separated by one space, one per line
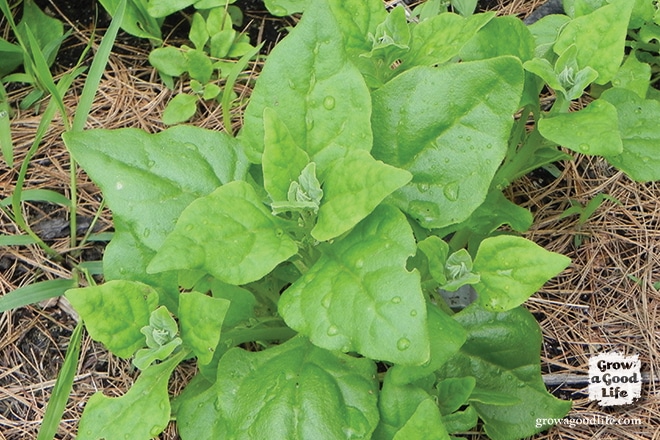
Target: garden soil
605 301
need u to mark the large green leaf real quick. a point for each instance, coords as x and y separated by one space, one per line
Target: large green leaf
115 312
359 296
448 126
640 133
201 318
512 269
502 353
500 36
294 391
439 39
323 101
229 234
600 38
354 186
47 31
137 20
147 180
140 414
592 130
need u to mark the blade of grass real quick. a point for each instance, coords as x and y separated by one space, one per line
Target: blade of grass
6 146
16 240
39 195
62 388
87 98
229 86
35 293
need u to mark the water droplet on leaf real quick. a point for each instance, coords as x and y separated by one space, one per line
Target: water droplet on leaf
396 300
451 191
151 164
584 147
327 299
329 102
333 330
403 344
309 123
146 233
468 138
359 263
3 114
191 146
119 186
413 312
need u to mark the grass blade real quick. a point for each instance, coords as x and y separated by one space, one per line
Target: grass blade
16 240
6 146
34 293
62 388
39 195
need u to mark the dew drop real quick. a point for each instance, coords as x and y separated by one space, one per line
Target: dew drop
638 110
359 263
292 84
424 187
119 186
403 344
447 160
396 300
329 102
451 191
191 146
146 233
154 431
646 159
309 123
189 227
327 299
151 164
3 114
468 138
333 330
584 147
217 404
616 83
489 146
413 312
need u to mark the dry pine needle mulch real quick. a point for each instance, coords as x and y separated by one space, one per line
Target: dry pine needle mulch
605 301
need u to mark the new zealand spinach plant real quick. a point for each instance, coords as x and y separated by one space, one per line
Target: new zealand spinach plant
300 263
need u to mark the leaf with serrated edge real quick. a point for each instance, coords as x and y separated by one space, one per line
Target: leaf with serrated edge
592 130
502 354
140 414
359 296
294 391
512 269
456 139
640 133
600 38
354 186
115 312
324 101
229 234
200 318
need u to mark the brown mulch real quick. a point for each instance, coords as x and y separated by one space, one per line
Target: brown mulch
605 301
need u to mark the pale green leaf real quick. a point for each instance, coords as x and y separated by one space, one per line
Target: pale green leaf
147 180
599 37
281 8
136 20
140 414
448 126
354 186
115 312
439 39
502 354
229 234
506 35
294 391
592 130
282 159
546 31
453 392
201 318
640 133
359 296
181 108
512 269
408 412
436 251
633 75
163 8
169 60
323 101
241 302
